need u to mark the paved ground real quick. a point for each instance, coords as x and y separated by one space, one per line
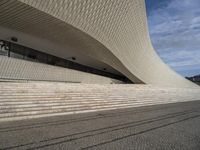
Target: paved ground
163 127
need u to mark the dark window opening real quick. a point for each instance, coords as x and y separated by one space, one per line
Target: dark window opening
21 52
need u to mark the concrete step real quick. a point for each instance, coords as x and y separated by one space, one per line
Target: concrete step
38 99
70 110
49 103
13 117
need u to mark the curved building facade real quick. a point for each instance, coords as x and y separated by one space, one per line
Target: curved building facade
100 33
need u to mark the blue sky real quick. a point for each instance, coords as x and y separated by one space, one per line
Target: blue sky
174 27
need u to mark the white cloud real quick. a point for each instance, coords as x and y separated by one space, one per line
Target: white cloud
175 34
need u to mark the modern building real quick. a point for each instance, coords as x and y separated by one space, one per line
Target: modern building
83 41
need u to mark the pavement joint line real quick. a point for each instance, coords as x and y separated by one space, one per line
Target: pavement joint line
138 133
163 117
69 121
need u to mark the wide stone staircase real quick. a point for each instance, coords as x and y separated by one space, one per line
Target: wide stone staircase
41 99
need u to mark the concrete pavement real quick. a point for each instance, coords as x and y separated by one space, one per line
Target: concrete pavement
162 127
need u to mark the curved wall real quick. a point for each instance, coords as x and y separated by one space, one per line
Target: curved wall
112 31
17 69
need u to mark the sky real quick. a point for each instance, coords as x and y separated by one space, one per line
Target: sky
174 27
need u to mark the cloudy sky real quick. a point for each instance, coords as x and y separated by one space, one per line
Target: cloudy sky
174 27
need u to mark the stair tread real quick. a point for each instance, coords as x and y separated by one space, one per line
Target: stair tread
36 99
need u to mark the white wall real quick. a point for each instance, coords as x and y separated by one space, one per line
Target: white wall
12 68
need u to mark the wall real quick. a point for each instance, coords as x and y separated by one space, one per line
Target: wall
12 68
